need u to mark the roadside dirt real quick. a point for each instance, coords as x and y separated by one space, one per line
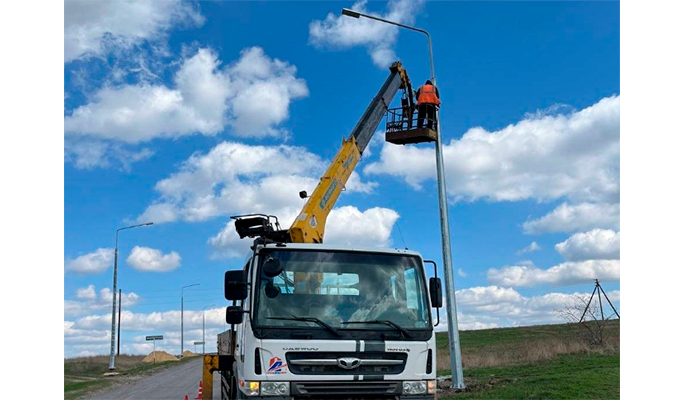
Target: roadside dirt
159 356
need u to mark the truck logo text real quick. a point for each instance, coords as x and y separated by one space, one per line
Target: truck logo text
300 348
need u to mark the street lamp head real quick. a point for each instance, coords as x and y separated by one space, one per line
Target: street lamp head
350 13
187 286
148 223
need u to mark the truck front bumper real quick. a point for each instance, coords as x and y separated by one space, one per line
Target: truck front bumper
353 389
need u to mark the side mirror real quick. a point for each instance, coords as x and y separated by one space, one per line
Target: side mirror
272 267
234 315
436 292
235 285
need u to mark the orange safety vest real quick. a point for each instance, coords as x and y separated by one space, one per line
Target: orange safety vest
427 95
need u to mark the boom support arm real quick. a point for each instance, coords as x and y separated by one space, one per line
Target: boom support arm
310 224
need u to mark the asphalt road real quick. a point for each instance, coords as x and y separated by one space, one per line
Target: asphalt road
173 383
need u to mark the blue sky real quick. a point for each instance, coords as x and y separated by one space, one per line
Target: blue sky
186 113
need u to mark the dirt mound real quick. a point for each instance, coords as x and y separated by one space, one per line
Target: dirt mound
159 356
189 353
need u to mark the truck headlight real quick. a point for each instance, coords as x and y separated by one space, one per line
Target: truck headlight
250 388
275 388
414 387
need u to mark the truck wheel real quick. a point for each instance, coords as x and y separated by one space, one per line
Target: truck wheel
228 387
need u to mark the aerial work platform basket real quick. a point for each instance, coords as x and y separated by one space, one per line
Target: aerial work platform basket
402 126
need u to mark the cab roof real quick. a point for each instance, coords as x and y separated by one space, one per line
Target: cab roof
324 247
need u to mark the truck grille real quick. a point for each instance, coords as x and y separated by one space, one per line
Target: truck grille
326 363
347 388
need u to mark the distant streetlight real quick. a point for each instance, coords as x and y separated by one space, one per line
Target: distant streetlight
114 290
194 284
203 326
455 348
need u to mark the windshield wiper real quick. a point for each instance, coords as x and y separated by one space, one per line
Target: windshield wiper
384 322
309 319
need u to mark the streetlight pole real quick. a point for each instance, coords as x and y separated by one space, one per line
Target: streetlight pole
114 290
194 284
119 325
203 326
455 347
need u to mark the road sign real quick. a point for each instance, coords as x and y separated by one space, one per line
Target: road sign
154 339
196 343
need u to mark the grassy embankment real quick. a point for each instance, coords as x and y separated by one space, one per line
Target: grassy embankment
83 375
537 362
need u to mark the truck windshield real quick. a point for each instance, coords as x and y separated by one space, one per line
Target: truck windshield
342 290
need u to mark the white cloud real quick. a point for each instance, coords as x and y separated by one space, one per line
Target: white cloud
87 301
355 184
462 273
160 213
152 260
89 154
485 296
351 227
345 226
542 157
154 321
252 96
530 248
338 31
562 274
235 178
227 243
91 263
576 217
87 293
264 89
89 335
90 27
597 244
493 306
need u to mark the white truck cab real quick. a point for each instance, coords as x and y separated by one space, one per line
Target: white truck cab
313 321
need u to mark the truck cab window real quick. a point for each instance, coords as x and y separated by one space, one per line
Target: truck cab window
337 287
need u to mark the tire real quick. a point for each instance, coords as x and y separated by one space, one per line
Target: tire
229 388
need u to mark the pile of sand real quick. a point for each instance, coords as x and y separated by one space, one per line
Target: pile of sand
189 353
159 356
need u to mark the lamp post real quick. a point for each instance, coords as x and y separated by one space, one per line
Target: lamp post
455 348
119 325
203 326
114 290
194 284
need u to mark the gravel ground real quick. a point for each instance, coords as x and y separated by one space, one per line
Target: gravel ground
173 383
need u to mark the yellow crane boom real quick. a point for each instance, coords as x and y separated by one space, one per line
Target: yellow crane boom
310 224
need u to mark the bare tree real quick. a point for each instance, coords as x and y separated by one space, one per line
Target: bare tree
587 312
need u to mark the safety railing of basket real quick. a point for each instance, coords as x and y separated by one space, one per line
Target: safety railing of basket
400 119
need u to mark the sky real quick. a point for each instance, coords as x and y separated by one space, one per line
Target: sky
184 113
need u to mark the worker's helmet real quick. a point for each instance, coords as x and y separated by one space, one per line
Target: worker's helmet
428 82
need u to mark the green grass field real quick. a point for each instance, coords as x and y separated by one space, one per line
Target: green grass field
537 362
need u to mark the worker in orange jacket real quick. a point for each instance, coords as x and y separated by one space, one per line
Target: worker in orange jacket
428 99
